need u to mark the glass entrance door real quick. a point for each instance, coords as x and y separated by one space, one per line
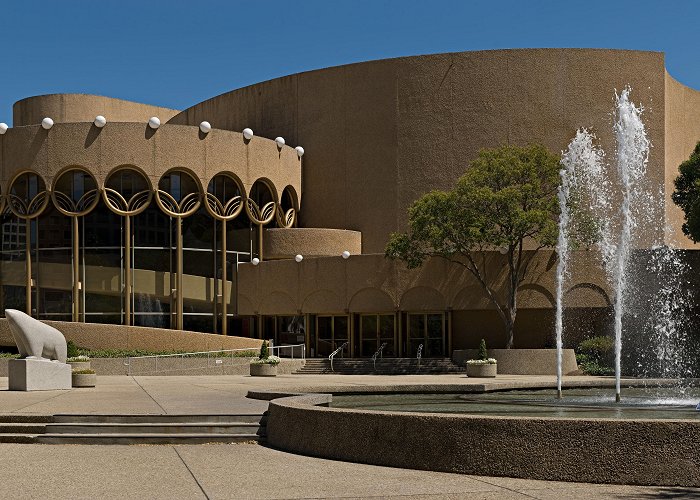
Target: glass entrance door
428 330
375 330
331 333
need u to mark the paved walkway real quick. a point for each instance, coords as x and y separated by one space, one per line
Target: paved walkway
221 393
242 470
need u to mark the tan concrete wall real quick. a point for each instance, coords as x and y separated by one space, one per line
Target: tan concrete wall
523 361
100 151
101 336
682 134
372 283
379 134
310 242
65 108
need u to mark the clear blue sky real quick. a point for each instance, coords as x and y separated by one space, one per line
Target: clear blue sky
177 53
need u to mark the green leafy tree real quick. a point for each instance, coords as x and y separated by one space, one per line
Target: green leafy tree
507 196
687 194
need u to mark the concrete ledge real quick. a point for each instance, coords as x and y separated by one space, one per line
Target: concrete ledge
284 243
176 366
524 361
643 452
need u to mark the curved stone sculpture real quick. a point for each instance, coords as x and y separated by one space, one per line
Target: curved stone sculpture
34 339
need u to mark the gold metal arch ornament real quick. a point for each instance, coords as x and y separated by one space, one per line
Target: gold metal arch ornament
286 218
187 206
27 209
261 217
75 209
127 208
224 212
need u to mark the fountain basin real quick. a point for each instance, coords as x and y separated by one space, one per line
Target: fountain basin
600 450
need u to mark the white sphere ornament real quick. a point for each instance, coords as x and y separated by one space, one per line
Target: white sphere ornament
300 151
279 141
154 122
346 254
299 258
205 127
248 133
255 261
100 121
3 128
46 123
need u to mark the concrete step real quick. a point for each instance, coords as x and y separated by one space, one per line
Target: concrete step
22 428
22 438
145 438
159 418
14 417
151 428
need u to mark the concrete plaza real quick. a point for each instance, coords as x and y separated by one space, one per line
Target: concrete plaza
240 470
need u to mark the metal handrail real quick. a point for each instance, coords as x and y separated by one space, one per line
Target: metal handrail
420 354
208 354
378 353
339 349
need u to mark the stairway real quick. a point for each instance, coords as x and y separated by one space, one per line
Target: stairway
132 429
385 366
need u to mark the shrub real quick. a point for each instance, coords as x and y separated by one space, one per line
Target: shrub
270 360
83 372
72 349
483 353
81 358
263 350
599 349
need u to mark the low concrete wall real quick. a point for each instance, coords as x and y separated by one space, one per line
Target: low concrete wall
524 361
176 366
104 336
644 452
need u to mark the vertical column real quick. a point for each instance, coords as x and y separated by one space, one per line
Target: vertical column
260 242
224 294
76 270
127 270
28 265
179 285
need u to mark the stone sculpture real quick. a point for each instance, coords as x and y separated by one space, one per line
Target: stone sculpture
34 339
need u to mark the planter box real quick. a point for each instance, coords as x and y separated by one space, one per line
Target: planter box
84 379
482 371
79 365
263 370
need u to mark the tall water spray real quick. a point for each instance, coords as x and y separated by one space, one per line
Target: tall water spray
581 161
632 158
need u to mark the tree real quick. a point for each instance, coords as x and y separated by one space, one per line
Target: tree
687 194
508 195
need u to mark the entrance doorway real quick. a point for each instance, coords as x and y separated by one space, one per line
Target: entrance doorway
376 329
427 329
331 333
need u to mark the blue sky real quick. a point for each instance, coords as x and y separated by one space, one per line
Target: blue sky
178 53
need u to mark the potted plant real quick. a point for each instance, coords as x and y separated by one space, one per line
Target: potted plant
483 366
81 362
264 365
83 378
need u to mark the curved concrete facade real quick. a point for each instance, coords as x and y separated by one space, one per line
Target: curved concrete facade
66 108
377 136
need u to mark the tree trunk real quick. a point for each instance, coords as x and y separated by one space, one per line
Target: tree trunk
510 327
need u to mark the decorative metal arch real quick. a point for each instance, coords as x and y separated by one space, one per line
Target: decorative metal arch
23 208
67 205
187 206
287 218
261 215
224 211
136 204
27 210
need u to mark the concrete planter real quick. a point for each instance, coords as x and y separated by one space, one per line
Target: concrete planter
79 365
84 379
482 371
524 361
263 370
